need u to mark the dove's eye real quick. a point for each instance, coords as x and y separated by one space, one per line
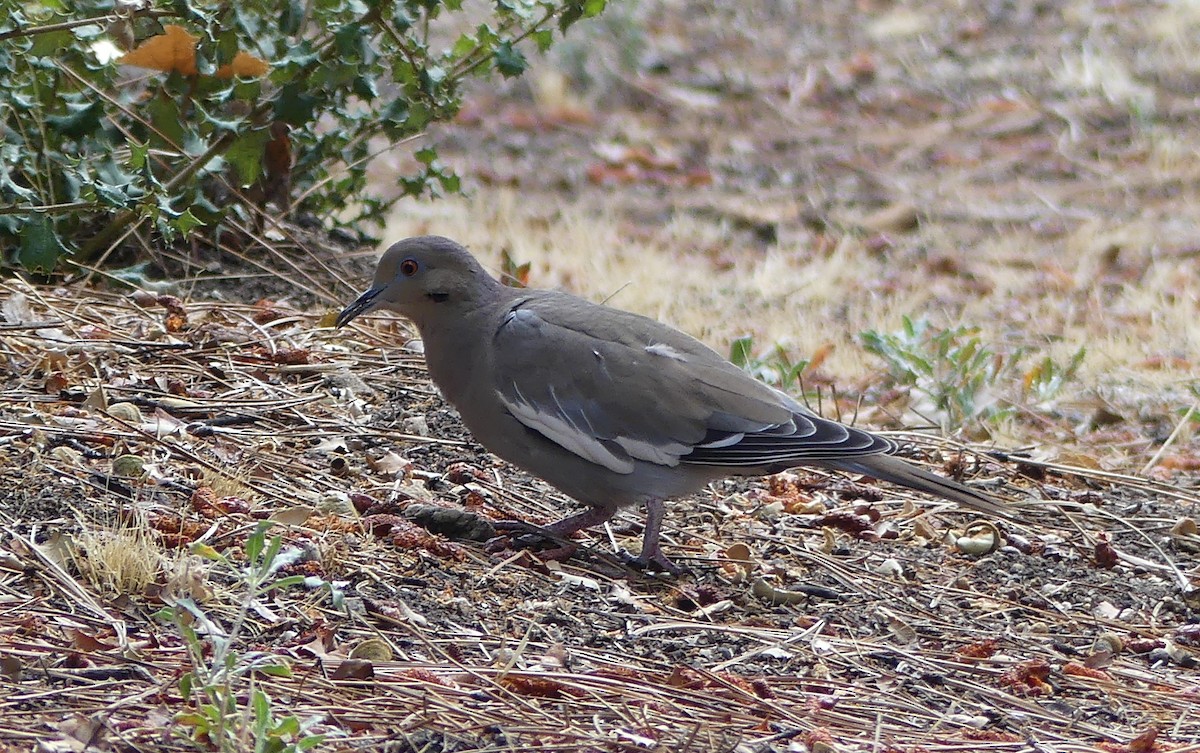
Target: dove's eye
409 267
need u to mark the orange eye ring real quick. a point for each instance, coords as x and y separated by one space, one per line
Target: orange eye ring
409 267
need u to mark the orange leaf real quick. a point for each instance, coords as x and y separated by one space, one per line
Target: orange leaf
244 64
820 355
173 50
1080 670
1144 742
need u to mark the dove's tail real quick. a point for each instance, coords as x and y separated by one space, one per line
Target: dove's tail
897 471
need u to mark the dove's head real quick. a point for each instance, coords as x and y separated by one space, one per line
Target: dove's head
424 278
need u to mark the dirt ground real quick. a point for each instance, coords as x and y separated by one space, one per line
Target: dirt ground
797 174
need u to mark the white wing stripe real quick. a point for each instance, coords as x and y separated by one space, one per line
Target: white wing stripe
663 455
566 435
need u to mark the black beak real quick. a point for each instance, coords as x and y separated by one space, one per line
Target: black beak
361 305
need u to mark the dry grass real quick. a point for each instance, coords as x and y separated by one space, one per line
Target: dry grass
121 559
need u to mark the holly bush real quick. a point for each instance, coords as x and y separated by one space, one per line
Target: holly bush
169 118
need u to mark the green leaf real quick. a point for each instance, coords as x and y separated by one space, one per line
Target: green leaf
192 719
166 119
290 20
450 182
289 726
544 38
221 125
113 195
82 121
433 76
137 154
88 31
273 546
201 549
8 186
262 709
186 222
294 105
486 37
246 155
350 41
402 19
40 247
275 670
577 9
51 44
463 45
740 351
16 19
247 89
184 8
254 544
509 60
286 582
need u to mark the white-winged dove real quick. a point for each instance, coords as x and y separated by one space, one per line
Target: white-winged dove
610 407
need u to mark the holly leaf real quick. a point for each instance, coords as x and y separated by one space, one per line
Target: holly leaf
509 60
40 246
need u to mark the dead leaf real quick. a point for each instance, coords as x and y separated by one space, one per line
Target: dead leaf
10 667
88 643
1106 555
58 549
391 464
16 309
353 669
772 595
895 218
1028 679
83 733
56 382
244 64
97 400
1144 743
173 51
373 650
293 516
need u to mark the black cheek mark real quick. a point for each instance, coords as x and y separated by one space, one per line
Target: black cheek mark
438 297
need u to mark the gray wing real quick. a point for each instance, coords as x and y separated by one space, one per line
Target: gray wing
616 388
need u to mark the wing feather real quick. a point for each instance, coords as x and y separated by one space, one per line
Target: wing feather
616 388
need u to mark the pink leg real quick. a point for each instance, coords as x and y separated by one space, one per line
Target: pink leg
651 556
591 516
651 546
558 532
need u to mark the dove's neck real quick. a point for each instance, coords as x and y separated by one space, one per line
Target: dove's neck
458 345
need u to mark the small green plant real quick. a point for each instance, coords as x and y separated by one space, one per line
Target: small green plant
775 367
951 367
962 378
1045 380
214 685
